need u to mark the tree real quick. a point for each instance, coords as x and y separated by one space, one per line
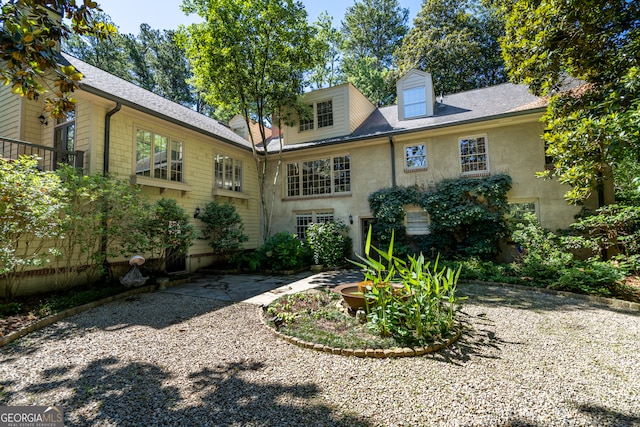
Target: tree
372 30
107 54
457 42
594 126
29 36
30 207
250 56
327 72
223 227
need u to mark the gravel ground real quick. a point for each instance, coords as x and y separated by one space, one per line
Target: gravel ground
525 359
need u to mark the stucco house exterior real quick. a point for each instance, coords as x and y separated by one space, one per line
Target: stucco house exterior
330 164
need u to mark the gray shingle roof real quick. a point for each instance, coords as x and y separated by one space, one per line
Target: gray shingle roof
114 88
455 109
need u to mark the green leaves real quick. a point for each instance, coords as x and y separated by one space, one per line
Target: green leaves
223 227
28 38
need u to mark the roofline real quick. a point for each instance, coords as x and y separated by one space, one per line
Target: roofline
126 103
434 127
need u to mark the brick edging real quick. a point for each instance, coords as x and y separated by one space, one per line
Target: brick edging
364 352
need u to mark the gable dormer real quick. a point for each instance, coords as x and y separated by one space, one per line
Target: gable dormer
416 95
335 111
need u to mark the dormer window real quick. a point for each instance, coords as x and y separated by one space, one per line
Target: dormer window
415 103
325 114
321 116
416 97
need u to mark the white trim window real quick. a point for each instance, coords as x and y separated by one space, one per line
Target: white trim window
227 173
417 221
319 177
303 219
519 208
415 102
158 156
415 157
321 116
474 155
307 124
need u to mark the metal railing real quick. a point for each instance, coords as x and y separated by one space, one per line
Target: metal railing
48 158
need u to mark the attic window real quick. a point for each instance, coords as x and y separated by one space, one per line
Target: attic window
325 113
415 102
308 123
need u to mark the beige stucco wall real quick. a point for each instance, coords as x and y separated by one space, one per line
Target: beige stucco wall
514 148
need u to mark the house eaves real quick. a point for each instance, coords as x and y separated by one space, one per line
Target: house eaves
395 132
471 107
105 85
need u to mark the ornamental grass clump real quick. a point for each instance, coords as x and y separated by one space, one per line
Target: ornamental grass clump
411 301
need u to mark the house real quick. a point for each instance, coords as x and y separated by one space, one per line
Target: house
331 161
349 149
127 131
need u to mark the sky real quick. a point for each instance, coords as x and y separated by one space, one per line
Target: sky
166 14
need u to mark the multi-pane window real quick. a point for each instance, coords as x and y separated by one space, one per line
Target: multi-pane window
415 157
65 137
415 102
227 173
303 219
417 220
520 209
157 156
307 124
319 177
325 113
473 155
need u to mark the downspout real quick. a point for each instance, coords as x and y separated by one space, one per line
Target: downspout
107 138
105 171
393 162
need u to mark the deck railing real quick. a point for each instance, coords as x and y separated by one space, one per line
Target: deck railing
48 158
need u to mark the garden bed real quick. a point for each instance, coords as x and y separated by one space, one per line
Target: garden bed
320 319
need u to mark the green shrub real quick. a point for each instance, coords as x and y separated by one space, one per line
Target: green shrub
223 227
283 251
10 308
329 243
590 277
543 257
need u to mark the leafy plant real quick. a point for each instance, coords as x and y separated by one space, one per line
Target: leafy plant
10 308
30 212
424 307
168 231
223 227
283 251
329 242
467 216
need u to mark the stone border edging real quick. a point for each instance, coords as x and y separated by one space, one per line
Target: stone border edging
378 353
609 302
46 321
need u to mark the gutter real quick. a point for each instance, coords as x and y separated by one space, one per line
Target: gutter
393 161
107 137
124 102
395 132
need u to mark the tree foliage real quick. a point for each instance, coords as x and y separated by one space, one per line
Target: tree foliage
372 31
327 72
598 42
31 202
29 35
223 227
457 42
250 56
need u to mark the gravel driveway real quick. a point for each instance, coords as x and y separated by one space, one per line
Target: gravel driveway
163 359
